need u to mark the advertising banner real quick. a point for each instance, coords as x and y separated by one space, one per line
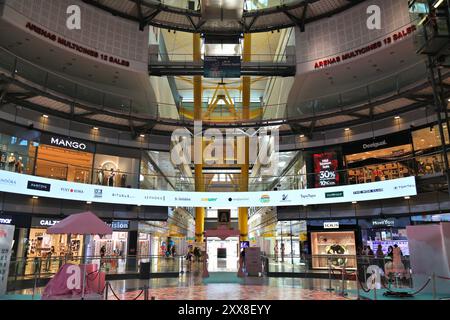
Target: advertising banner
325 167
44 187
6 243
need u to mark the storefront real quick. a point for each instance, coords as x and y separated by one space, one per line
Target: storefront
116 167
427 146
152 237
115 244
385 158
41 243
17 152
64 158
21 225
333 237
385 232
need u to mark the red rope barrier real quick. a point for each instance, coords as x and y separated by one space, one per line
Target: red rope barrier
115 295
443 278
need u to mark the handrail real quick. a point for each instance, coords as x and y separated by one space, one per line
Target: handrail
157 104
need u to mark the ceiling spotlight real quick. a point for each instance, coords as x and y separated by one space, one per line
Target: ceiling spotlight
142 135
347 129
95 128
45 116
397 117
35 197
354 202
407 198
302 136
88 202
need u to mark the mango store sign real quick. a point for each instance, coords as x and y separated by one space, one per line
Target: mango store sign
6 242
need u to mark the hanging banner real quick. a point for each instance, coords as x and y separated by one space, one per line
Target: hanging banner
388 189
6 243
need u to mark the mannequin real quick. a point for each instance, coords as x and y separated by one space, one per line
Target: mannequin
111 178
3 161
18 166
11 161
100 176
123 180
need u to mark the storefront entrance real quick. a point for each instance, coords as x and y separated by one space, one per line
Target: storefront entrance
223 254
64 164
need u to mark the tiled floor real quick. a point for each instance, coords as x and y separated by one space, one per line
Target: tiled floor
191 286
232 292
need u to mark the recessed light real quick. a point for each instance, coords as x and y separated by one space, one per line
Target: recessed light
407 198
45 116
354 202
347 129
95 128
35 197
302 136
142 135
88 202
397 117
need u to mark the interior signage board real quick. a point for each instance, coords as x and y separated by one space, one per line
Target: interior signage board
387 141
325 167
38 222
331 225
6 243
52 188
67 142
222 67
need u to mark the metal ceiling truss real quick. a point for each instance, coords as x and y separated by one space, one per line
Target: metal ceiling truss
148 13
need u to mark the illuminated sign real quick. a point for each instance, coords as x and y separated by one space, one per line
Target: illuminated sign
58 189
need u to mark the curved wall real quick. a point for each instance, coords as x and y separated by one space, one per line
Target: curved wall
340 54
108 52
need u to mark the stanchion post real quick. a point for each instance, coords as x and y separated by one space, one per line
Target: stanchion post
329 276
35 278
375 293
357 284
343 281
181 265
106 290
433 280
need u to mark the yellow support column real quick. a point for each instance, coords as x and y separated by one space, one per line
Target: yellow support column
198 115
246 81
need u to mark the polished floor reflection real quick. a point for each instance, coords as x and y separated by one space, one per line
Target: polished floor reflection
191 286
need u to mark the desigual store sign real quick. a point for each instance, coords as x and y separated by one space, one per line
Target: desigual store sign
85 192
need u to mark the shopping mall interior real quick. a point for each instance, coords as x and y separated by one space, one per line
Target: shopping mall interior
224 150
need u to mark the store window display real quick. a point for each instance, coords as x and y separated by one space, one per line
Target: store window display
51 250
16 154
116 171
333 244
427 143
64 164
379 165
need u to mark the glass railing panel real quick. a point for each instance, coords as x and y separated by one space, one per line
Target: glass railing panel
30 72
90 95
7 61
61 85
117 103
